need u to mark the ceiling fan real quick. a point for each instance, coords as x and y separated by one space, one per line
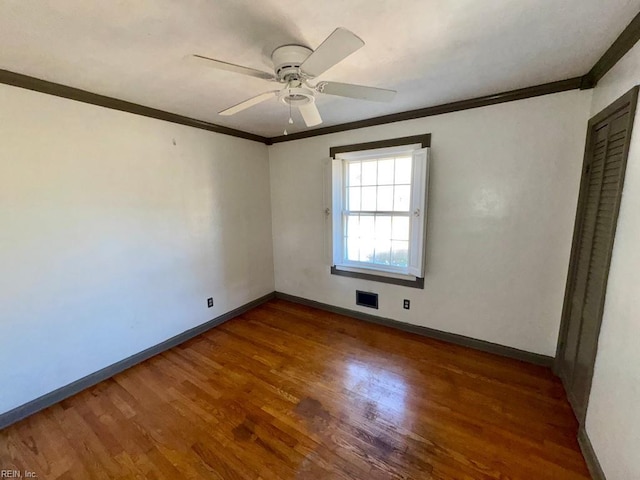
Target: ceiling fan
294 66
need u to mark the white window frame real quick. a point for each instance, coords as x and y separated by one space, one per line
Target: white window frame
417 215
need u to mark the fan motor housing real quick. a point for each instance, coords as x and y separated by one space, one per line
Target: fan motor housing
287 60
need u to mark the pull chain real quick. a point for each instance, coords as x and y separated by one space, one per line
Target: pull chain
290 119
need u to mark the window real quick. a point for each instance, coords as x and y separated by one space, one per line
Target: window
379 210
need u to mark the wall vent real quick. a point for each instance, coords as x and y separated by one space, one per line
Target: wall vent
367 299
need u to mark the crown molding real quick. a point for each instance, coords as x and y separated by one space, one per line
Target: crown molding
625 41
510 96
71 93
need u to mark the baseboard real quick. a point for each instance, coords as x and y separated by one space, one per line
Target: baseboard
456 339
40 403
590 455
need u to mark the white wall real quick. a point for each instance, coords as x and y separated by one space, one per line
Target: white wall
112 236
504 188
613 416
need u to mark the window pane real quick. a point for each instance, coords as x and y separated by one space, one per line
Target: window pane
368 199
367 227
383 228
403 170
400 228
402 198
366 249
385 172
369 172
353 202
383 252
355 174
385 199
353 226
353 248
399 253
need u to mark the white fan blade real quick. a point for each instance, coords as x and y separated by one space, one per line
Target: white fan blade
336 47
231 67
310 114
356 91
248 103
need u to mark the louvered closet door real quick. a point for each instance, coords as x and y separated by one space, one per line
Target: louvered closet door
603 178
593 171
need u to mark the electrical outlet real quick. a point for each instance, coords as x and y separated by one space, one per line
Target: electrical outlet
209 302
406 304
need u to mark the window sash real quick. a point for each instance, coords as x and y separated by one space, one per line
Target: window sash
416 213
396 244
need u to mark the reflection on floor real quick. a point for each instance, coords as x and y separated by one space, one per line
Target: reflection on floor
290 392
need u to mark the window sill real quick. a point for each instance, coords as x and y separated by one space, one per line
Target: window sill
412 282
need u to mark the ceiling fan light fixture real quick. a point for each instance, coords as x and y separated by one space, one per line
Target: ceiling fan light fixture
296 97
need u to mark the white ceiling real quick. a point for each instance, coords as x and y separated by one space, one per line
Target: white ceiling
431 51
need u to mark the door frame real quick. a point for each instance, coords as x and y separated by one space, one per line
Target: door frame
631 99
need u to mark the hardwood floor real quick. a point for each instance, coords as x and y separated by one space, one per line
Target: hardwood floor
289 392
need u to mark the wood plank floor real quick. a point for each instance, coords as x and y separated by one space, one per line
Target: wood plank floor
289 392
